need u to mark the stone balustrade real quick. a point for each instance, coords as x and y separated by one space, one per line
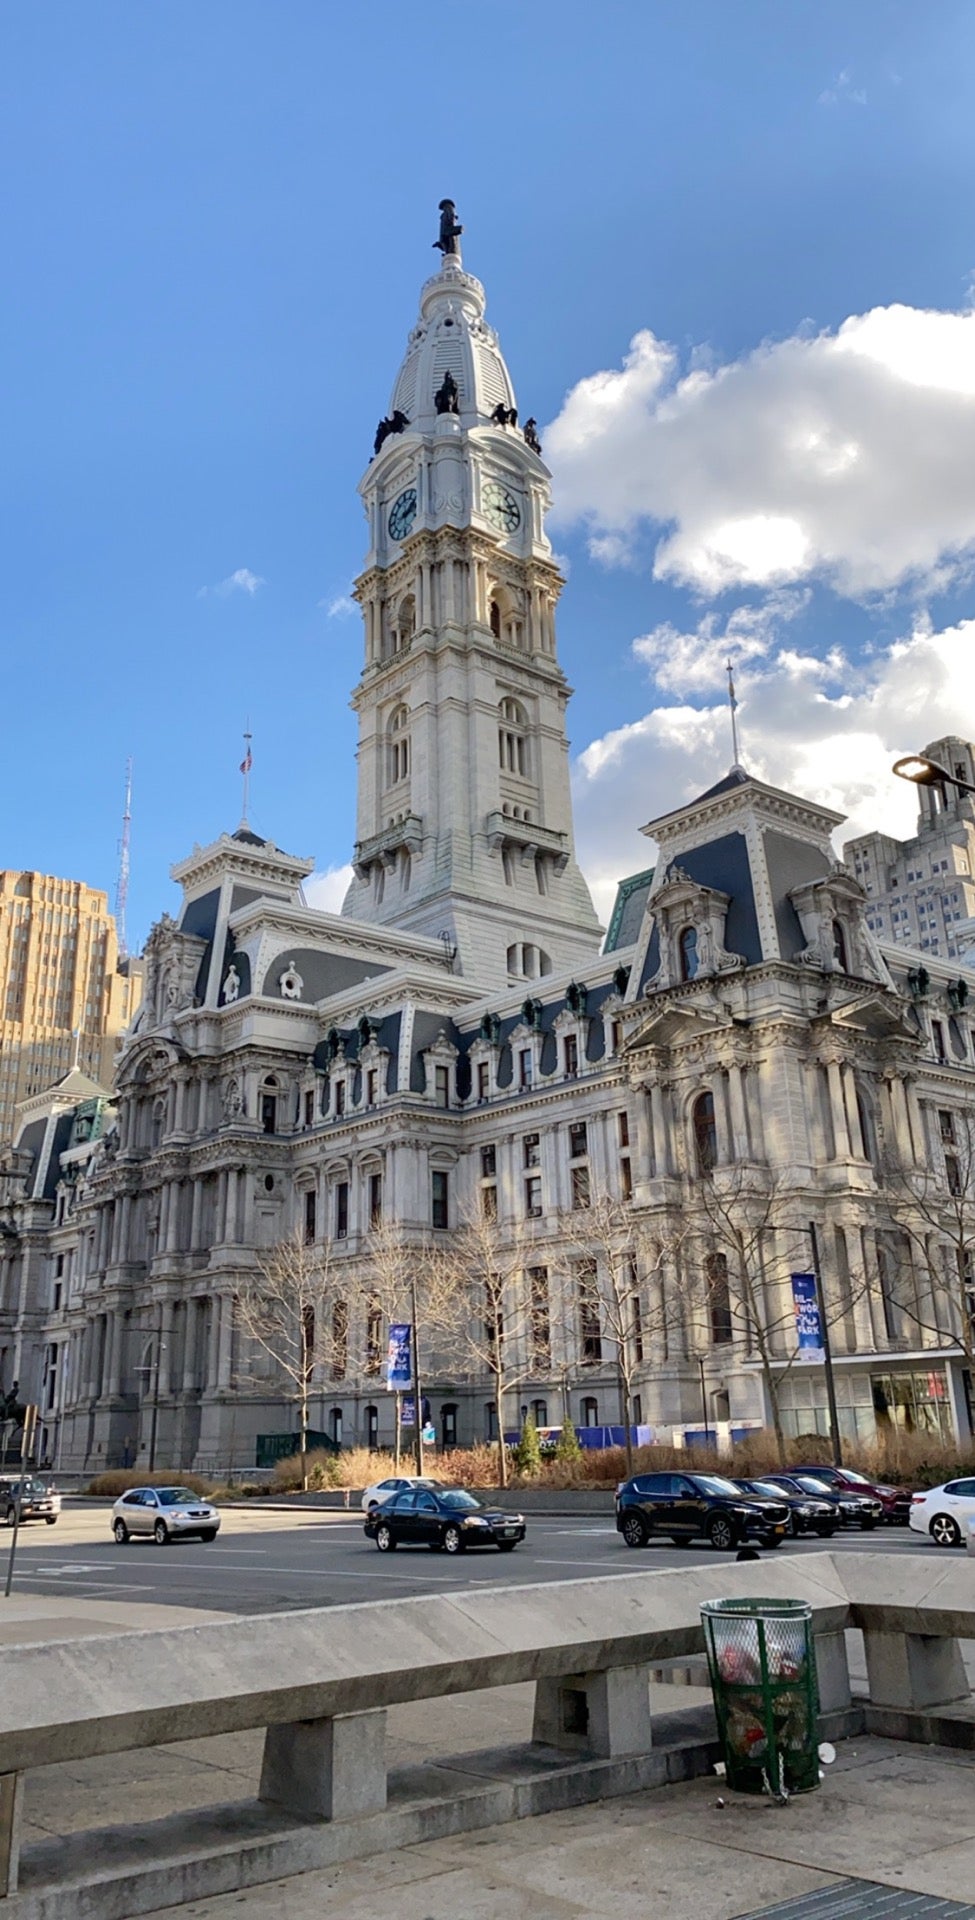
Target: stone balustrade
320 1684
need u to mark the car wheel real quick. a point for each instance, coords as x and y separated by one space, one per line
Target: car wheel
944 1531
507 1546
826 1530
721 1533
50 1519
795 1525
10 1516
867 1526
384 1538
452 1540
634 1530
160 1533
209 1533
121 1532
771 1541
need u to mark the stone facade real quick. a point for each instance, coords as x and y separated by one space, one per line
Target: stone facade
455 1045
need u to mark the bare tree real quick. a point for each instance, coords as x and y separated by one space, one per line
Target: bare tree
619 1262
294 1308
395 1265
488 1309
931 1215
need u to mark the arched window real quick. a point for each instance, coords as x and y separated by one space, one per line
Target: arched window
590 1412
512 741
490 1420
448 1427
372 1428
398 738
404 625
335 1424
689 961
705 1132
839 946
269 1105
495 619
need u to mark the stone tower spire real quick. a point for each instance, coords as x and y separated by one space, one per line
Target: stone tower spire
464 815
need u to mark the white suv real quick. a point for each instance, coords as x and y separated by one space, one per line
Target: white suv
397 1483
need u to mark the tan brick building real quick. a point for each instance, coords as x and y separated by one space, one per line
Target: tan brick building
63 992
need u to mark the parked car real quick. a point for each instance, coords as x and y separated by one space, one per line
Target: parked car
944 1513
697 1506
163 1514
808 1512
376 1495
895 1501
442 1518
39 1501
862 1510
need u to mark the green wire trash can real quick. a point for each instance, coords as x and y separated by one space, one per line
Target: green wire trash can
762 1664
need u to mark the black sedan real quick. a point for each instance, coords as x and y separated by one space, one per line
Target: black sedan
808 1513
445 1519
697 1506
855 1509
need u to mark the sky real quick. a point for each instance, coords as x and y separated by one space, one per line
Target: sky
730 251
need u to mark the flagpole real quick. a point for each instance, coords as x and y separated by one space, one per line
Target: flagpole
245 768
733 704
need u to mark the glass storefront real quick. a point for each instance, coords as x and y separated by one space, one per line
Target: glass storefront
869 1400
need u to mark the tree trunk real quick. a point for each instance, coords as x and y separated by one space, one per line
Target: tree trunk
499 1417
304 1443
626 1405
772 1390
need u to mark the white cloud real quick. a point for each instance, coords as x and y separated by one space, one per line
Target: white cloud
817 727
340 607
240 581
843 89
328 889
846 456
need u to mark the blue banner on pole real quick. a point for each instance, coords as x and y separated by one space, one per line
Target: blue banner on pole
399 1368
407 1412
805 1296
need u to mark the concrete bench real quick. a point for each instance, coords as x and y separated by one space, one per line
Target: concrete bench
320 1683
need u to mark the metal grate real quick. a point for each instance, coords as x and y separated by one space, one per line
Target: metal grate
864 1900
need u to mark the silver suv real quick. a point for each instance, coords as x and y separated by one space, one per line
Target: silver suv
164 1514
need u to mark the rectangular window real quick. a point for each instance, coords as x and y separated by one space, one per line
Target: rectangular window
342 1210
310 1215
571 1046
375 1199
578 1145
371 1085
442 1086
946 1122
489 1201
525 1067
374 1338
580 1188
590 1336
483 1080
636 1321
339 1098
438 1199
309 1109
489 1162
531 1150
533 1197
626 1177
938 1036
719 1299
59 1265
616 1035
623 1122
541 1331
953 1173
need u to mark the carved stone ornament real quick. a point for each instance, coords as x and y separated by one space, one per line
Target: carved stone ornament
683 903
231 985
172 963
231 1100
291 983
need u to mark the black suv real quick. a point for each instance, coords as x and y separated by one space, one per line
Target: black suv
696 1506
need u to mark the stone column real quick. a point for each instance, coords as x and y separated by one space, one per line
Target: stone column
915 1121
643 1138
851 1109
605 1714
327 1769
191 1325
740 1144
661 1142
230 1223
841 1132
196 1215
165 1326
914 1670
225 1352
113 1367
213 1342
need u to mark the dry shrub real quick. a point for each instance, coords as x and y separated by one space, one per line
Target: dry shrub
119 1479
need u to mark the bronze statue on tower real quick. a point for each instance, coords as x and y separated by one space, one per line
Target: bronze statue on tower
450 229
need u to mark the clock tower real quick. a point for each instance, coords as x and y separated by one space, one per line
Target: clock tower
464 826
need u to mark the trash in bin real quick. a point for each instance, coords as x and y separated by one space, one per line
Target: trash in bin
762 1665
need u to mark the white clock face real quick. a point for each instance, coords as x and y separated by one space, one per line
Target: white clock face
402 514
501 509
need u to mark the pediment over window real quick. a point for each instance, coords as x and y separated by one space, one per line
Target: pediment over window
874 1016
671 1025
691 921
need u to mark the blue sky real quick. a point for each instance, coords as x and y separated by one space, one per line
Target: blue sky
216 222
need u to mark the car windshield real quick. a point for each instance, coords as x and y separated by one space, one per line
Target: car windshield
768 1487
177 1497
860 1479
809 1485
714 1483
460 1499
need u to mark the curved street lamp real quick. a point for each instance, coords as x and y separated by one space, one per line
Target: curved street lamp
923 772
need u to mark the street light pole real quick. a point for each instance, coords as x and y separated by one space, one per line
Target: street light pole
923 772
155 1401
704 1402
417 1391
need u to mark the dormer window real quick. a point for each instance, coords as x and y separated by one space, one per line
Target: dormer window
839 946
688 954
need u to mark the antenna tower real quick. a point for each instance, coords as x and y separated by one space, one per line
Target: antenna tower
122 883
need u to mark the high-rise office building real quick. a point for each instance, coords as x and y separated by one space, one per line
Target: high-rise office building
921 892
64 997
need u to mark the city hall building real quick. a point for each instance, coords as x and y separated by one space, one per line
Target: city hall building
742 1069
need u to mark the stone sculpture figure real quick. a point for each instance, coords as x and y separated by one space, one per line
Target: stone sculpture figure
531 436
446 399
231 985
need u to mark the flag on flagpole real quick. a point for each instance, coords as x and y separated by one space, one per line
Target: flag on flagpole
731 690
247 762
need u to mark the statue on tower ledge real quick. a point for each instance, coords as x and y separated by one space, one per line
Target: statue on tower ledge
447 399
450 230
